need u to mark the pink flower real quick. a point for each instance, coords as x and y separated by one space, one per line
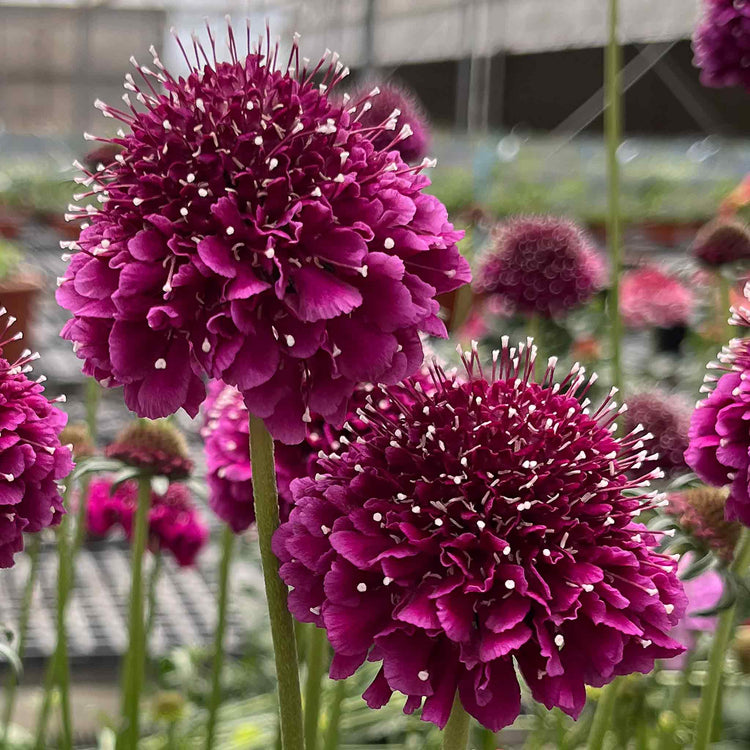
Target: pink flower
483 524
653 298
722 241
250 230
32 459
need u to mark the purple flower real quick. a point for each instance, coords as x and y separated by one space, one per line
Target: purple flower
32 458
387 100
155 447
667 418
541 265
722 43
486 523
174 523
722 241
251 230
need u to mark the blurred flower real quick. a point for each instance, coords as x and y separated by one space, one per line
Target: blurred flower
100 157
250 230
32 457
722 43
78 437
174 523
666 419
155 447
486 522
169 706
700 512
653 298
722 241
394 98
586 349
541 265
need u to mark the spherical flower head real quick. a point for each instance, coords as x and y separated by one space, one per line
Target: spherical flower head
79 438
541 265
700 511
722 43
653 298
32 458
721 242
155 447
174 523
250 230
390 101
486 522
666 419
226 438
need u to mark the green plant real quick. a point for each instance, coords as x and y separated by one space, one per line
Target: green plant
10 258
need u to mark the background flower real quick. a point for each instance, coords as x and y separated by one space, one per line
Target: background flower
652 298
32 458
155 447
314 256
722 241
482 523
541 265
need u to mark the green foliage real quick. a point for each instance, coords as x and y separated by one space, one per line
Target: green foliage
10 258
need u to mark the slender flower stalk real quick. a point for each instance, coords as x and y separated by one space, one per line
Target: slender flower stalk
710 697
93 396
456 732
605 709
135 662
334 716
282 627
227 546
488 739
613 133
317 652
60 660
153 582
11 683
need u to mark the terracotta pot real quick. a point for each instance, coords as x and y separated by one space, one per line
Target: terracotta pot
18 295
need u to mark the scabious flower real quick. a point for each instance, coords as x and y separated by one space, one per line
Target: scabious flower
722 241
487 522
251 230
391 98
666 417
653 298
541 265
79 438
155 447
32 457
722 43
174 523
700 512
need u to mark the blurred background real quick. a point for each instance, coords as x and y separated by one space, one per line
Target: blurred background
513 90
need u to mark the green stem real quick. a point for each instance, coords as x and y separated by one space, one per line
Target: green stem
603 715
456 732
136 659
334 716
725 302
282 627
613 135
316 664
44 711
710 702
11 683
93 394
152 584
488 740
227 546
62 665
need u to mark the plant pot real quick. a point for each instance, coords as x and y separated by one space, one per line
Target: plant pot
669 340
10 224
18 295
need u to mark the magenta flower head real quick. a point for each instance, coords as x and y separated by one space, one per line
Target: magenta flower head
722 43
388 99
486 523
250 230
541 265
721 242
32 458
174 523
653 298
667 418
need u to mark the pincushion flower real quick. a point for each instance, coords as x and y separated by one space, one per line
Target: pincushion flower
78 437
667 418
390 98
155 447
252 231
541 265
174 523
722 43
487 523
700 512
32 459
721 242
653 298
